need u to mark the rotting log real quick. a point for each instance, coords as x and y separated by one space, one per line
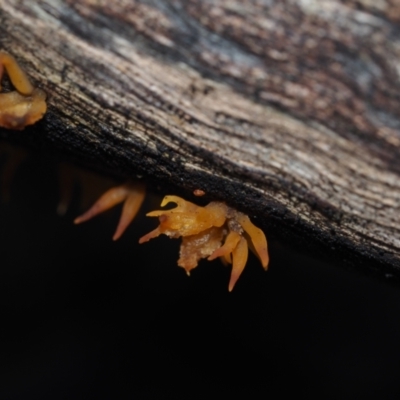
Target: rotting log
285 109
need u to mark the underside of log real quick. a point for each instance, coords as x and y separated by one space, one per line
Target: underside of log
285 109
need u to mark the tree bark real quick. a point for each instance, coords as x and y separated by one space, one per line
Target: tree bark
285 109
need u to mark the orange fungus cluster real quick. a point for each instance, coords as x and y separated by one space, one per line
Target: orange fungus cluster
24 106
213 231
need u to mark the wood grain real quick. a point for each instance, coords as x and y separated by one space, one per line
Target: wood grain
287 110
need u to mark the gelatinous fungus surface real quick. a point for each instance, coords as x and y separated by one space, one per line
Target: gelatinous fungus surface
130 193
215 230
24 106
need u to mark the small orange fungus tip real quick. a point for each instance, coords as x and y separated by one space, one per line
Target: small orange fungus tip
24 106
213 231
199 192
131 194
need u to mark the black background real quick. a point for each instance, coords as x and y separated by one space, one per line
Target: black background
83 317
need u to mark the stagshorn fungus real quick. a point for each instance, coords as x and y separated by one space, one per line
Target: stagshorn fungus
23 106
213 231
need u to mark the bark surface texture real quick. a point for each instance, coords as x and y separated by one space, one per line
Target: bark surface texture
285 109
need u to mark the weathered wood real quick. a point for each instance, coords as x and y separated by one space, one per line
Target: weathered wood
286 109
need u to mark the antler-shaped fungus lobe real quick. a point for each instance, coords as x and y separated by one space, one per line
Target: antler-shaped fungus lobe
204 229
24 106
215 230
130 193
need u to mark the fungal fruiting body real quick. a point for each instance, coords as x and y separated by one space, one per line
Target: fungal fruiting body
130 193
24 106
215 230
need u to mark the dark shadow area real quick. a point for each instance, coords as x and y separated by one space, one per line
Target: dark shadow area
83 317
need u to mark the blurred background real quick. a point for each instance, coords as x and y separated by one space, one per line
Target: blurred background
84 317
